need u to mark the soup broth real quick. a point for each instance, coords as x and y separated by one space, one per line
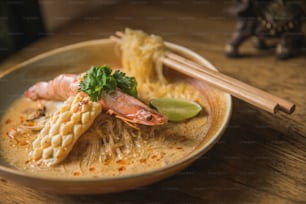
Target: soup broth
148 149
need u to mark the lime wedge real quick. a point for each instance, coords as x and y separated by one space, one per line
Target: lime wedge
176 109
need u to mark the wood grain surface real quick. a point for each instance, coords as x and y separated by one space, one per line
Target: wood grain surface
260 159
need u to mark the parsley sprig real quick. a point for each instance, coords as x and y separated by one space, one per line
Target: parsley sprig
100 79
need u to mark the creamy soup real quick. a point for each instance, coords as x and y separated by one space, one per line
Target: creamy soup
111 147
154 148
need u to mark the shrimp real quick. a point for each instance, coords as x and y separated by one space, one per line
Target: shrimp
60 88
121 105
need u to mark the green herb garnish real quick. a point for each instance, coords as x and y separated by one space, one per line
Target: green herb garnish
100 79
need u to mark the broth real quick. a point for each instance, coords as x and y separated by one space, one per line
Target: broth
170 143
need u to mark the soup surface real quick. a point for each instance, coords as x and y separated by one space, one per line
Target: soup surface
150 149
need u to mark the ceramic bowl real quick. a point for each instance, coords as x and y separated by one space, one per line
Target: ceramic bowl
73 59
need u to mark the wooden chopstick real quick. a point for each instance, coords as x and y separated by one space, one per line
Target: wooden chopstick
284 105
243 91
259 102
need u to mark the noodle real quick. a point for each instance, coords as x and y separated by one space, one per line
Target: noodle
140 58
139 54
110 138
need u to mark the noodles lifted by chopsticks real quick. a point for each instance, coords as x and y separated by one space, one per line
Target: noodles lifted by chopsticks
140 58
140 54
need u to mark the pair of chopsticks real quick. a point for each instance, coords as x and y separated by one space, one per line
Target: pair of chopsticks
241 90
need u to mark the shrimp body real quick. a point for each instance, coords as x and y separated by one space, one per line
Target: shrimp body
123 106
131 110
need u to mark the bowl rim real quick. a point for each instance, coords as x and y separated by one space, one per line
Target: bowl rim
4 170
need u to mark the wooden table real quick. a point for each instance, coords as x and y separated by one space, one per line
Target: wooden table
260 159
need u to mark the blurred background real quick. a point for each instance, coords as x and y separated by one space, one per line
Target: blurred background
24 21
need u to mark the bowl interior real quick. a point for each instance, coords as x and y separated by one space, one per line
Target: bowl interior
76 59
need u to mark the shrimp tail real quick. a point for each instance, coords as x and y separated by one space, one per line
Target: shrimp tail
60 88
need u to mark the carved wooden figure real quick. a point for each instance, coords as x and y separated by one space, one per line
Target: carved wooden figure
260 19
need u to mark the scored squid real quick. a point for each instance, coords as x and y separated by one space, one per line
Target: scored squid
66 125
